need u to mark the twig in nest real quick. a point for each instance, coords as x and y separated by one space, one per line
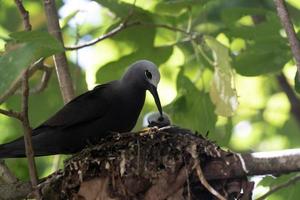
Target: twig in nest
204 181
193 151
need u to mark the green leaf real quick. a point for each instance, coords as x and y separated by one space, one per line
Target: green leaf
44 44
263 56
191 108
297 82
222 91
247 29
30 47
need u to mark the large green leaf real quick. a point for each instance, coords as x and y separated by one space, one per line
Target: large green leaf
264 56
42 42
192 108
28 47
222 91
261 30
266 51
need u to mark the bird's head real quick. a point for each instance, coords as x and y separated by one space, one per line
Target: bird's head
144 74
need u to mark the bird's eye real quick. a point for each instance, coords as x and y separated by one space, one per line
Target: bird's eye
148 74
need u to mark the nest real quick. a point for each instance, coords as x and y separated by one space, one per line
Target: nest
166 163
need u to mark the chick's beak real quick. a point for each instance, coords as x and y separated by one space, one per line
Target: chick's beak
154 93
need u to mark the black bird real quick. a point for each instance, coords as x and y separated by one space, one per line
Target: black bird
111 107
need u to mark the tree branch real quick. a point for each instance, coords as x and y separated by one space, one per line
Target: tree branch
61 65
274 189
23 116
25 15
289 29
119 28
27 136
11 113
47 72
253 164
294 101
123 26
44 81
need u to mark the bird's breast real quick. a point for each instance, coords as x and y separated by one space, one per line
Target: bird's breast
128 108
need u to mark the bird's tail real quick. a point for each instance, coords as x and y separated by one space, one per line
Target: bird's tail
13 149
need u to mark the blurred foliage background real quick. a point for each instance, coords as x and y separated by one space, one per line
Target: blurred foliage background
219 74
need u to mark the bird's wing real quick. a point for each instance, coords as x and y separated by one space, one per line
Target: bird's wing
86 107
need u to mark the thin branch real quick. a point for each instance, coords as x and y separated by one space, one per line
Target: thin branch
23 116
103 37
47 72
34 67
25 15
289 29
294 100
274 189
61 64
27 136
11 113
123 26
18 82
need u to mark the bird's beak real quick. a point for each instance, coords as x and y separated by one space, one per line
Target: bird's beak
154 93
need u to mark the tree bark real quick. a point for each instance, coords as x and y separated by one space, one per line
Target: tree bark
61 64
